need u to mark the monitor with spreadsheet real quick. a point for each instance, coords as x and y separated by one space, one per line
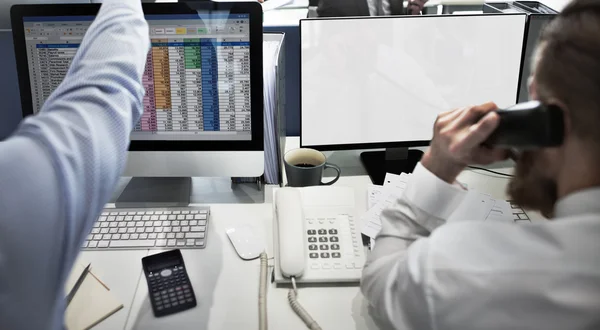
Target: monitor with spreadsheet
203 74
380 82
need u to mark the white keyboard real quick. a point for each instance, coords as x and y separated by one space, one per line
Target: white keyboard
156 228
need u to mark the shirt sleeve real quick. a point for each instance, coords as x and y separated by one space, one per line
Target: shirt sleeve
61 166
401 248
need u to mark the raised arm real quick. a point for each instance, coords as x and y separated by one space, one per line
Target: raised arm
61 166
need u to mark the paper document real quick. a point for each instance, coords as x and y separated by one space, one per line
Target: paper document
92 303
501 212
373 195
475 206
392 188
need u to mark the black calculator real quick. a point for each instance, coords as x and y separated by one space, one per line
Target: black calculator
169 287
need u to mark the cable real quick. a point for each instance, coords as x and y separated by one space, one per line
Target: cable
262 293
300 311
485 169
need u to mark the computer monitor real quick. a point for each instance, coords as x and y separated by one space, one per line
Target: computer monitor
535 26
381 82
203 108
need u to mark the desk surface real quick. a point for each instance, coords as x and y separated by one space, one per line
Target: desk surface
227 287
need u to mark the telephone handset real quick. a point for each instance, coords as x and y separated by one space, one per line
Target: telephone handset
290 222
316 236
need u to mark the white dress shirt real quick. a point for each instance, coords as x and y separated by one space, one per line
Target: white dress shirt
425 274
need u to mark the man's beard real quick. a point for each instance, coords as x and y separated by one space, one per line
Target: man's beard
530 189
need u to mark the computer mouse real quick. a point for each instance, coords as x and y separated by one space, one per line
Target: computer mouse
245 241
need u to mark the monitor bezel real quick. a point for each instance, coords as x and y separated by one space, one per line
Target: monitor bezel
18 12
395 144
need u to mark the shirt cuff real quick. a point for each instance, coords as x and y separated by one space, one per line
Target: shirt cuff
432 194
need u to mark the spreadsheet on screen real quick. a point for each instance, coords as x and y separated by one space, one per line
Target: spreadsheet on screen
197 74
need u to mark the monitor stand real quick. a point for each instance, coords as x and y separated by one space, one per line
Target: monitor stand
392 160
156 192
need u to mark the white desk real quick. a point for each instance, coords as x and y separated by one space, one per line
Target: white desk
227 287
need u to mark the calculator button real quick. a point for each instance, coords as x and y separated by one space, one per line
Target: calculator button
188 295
164 292
167 305
159 308
156 294
166 272
186 286
175 303
171 290
190 300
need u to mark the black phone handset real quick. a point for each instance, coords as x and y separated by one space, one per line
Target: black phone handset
528 125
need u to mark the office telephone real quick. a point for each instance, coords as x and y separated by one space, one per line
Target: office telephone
316 235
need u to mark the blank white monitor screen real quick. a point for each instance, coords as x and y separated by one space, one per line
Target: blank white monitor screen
381 80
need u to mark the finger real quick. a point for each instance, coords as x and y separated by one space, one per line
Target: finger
448 117
478 132
476 113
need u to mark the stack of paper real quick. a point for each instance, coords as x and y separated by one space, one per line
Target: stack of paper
476 206
274 108
93 302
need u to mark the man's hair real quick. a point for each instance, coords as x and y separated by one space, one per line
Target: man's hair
568 66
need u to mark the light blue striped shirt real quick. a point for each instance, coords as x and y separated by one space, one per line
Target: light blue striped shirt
60 167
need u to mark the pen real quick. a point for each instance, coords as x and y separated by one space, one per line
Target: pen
77 284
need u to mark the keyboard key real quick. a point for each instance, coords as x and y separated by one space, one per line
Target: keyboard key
143 236
175 223
137 218
152 236
185 223
124 236
199 242
122 224
163 217
116 236
194 235
84 245
95 230
113 230
139 224
114 213
185 229
185 212
181 217
139 230
200 216
103 244
179 235
98 237
162 235
104 225
131 224
96 224
154 217
167 229
170 235
189 217
180 243
157 223
93 244
193 223
198 228
189 242
111 218
158 229
139 243
146 218
134 236
176 229
161 242
148 223
103 230
105 213
149 229
102 219
171 242
202 223
106 236
172 217
120 218
122 230
130 230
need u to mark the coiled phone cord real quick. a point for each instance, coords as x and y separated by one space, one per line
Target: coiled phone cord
300 311
262 293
